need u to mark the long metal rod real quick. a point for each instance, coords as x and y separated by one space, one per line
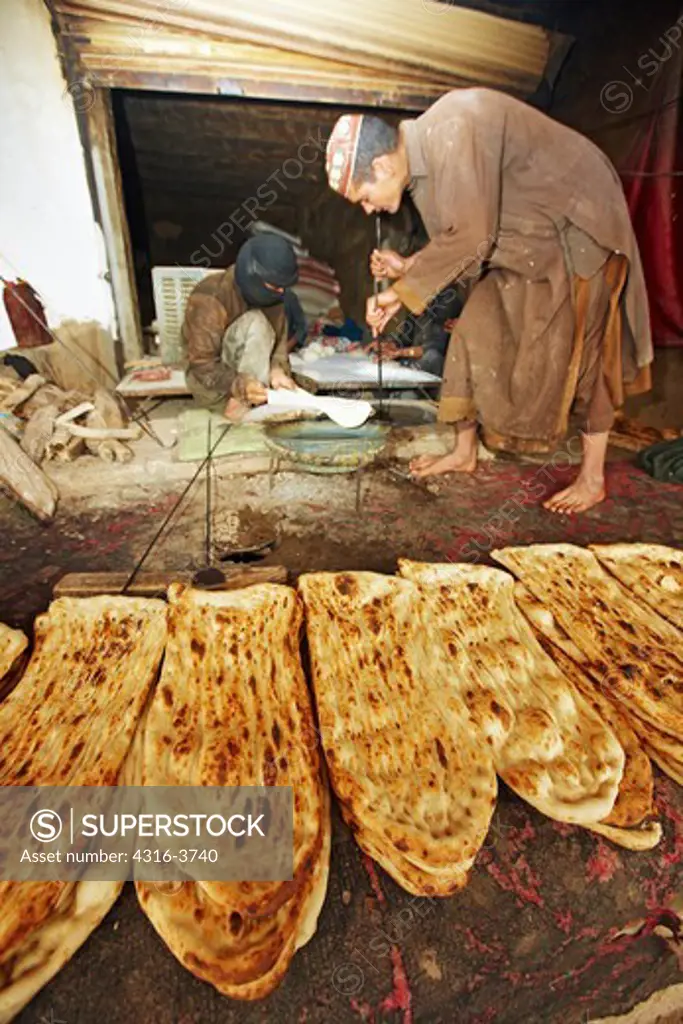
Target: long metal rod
208 492
170 515
380 379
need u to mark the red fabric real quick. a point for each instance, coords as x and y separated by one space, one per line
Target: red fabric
315 267
26 314
656 206
323 284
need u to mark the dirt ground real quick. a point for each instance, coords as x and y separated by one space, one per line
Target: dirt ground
533 938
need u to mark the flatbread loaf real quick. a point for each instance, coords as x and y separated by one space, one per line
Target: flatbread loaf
666 751
70 721
232 709
413 775
670 766
76 912
652 572
13 644
634 655
632 822
634 802
547 743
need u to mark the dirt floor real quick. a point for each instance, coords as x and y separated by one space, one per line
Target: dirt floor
533 938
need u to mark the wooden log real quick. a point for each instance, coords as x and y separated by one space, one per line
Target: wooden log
110 451
63 446
50 394
25 481
72 414
22 392
38 432
155 584
109 407
70 451
106 418
104 433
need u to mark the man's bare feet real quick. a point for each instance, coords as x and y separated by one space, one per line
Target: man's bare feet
435 465
578 497
463 458
235 411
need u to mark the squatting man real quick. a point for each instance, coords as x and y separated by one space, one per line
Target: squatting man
556 318
236 332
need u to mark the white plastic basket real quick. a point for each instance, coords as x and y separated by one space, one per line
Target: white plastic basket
172 288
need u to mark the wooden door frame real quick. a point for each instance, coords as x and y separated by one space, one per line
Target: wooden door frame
106 183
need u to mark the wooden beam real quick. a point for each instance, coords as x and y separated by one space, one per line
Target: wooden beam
99 121
155 584
400 97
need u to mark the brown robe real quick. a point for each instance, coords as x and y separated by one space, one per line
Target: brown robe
533 216
214 304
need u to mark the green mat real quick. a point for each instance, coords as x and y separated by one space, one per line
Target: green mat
193 436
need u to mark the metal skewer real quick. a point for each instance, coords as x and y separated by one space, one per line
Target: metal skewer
209 461
378 241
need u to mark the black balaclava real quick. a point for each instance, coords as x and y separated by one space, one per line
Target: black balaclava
265 259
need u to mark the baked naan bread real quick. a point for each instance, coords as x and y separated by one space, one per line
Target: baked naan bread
652 572
547 743
666 751
232 709
52 926
629 823
414 777
70 721
634 655
13 644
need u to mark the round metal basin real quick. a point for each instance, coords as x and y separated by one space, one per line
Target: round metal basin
406 412
323 447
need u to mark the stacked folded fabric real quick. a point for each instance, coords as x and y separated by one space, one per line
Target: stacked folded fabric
318 290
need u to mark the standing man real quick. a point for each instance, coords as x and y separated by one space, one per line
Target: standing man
235 331
557 316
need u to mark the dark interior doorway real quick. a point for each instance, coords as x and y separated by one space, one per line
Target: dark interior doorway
197 170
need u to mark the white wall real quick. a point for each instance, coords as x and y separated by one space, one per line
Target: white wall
48 234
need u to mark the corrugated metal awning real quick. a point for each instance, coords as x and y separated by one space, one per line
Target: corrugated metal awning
385 52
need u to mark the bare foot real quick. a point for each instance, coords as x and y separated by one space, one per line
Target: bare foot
578 497
433 465
235 411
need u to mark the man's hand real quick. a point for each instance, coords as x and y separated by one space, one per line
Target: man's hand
279 379
249 390
380 309
387 263
389 351
392 351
